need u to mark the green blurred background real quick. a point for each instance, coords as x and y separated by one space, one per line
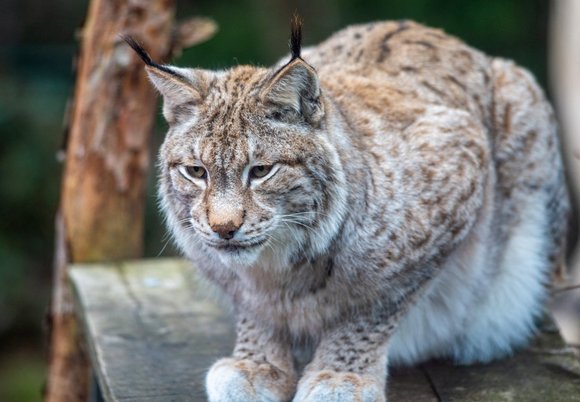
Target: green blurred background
37 44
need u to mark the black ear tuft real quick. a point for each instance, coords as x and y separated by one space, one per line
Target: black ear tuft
139 50
145 56
295 36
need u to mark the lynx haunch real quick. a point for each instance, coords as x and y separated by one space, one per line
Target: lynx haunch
388 196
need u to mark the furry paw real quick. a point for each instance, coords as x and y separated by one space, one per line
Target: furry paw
231 380
331 386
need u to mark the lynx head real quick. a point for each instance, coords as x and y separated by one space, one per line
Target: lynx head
247 168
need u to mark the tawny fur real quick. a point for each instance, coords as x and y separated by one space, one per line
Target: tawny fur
415 209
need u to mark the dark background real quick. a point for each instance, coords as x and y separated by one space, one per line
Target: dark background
37 45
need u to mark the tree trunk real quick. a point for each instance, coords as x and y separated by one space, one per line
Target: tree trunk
103 187
565 77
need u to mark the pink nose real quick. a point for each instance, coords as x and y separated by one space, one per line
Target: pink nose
226 231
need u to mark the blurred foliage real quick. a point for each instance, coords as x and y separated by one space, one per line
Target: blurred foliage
37 45
21 376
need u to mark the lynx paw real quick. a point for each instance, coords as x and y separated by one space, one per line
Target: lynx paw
231 380
331 386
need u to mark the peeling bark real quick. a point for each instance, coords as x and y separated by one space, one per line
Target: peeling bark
107 157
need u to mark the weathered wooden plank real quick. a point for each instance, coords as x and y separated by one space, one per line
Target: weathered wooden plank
546 371
153 332
409 384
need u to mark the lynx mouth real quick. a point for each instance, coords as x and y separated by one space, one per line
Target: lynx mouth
236 246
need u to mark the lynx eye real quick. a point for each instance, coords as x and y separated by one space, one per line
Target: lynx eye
284 115
193 172
259 171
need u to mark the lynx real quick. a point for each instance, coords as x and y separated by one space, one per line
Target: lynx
386 197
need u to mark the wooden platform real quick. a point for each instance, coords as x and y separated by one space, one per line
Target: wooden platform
152 333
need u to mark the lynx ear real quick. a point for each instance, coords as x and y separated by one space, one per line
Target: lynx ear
294 89
182 89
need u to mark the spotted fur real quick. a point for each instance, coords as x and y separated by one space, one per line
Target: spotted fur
415 207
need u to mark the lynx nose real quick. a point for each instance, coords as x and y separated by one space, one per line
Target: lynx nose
226 231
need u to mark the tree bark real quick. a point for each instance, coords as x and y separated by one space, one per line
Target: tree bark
565 77
103 187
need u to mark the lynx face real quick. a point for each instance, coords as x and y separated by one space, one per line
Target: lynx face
247 166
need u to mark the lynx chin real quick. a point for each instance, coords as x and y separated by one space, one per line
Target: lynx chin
388 196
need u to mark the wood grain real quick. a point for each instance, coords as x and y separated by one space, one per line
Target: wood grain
153 331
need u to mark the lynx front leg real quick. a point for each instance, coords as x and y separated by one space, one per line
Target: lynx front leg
260 370
350 364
